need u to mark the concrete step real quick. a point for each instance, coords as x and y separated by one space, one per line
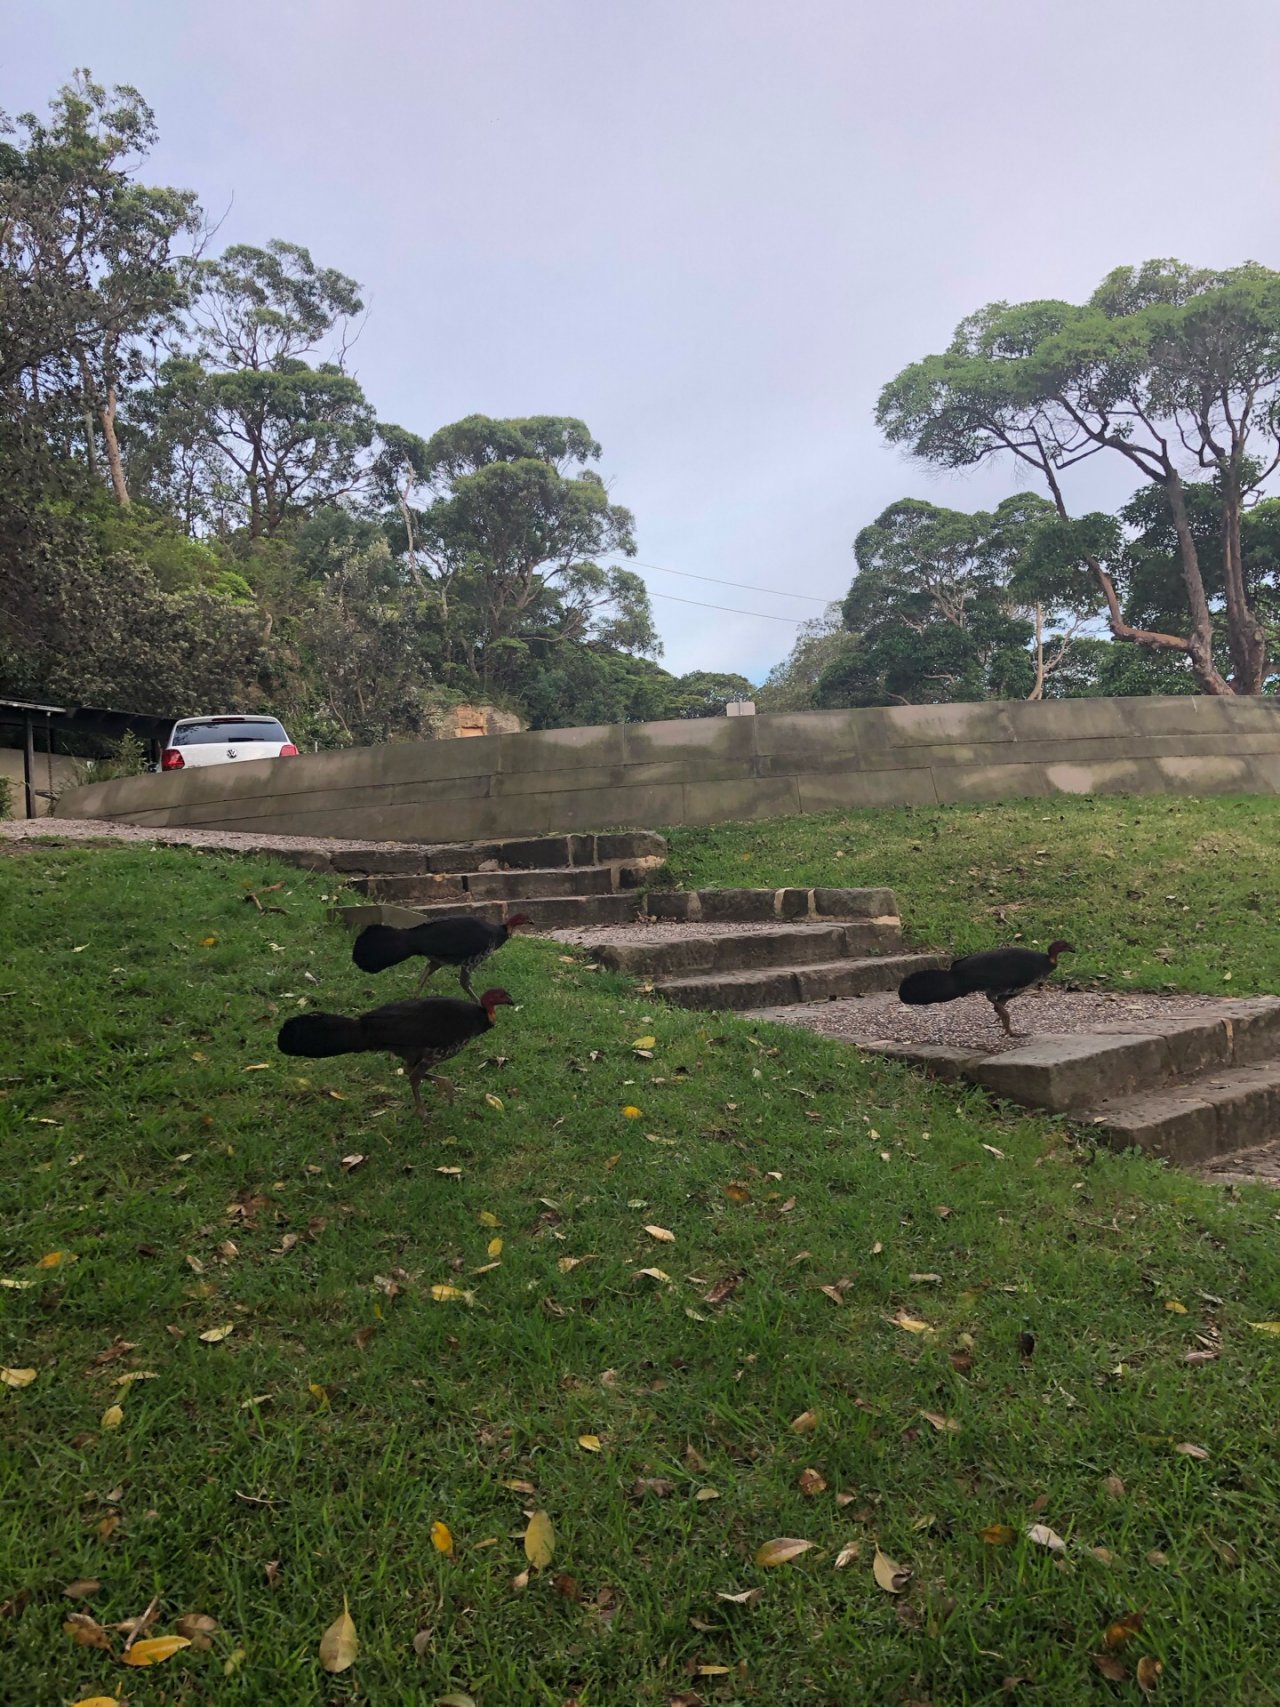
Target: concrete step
544 912
640 851
719 906
1213 1115
738 951
1062 1073
784 986
444 887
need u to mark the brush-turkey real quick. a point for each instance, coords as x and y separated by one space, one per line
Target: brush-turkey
999 974
421 1033
455 941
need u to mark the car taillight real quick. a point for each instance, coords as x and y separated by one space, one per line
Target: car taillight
172 760
288 751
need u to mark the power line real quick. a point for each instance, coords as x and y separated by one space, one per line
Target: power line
766 616
744 586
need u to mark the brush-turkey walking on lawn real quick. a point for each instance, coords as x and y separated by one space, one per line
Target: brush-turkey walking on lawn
421 1033
999 974
458 941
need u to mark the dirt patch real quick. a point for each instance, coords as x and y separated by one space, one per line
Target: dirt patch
26 830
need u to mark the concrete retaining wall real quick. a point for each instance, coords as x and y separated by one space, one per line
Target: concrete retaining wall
714 770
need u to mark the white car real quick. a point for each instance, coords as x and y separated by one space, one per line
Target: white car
224 741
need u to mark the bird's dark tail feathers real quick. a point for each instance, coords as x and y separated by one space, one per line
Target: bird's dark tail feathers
321 1034
380 946
920 988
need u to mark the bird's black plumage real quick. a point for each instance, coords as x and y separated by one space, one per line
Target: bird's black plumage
1000 974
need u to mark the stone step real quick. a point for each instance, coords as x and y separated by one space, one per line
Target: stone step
738 951
719 906
640 850
785 986
445 887
544 912
1235 1109
1062 1073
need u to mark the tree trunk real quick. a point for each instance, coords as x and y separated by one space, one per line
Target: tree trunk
107 415
1200 637
1246 638
1037 692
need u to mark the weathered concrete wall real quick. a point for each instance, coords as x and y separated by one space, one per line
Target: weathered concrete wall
52 773
713 770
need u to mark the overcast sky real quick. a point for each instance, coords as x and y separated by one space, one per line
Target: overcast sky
710 228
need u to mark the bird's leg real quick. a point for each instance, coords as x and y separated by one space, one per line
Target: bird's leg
998 1004
433 966
446 1087
413 1074
464 977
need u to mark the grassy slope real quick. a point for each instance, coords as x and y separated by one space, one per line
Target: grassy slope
1153 893
130 1123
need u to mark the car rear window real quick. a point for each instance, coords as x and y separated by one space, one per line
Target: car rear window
226 731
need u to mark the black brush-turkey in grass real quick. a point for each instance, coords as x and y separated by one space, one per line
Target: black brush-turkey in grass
454 941
421 1033
999 974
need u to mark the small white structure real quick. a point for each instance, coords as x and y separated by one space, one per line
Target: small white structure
740 708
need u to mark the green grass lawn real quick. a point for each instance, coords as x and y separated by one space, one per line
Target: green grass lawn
1165 893
152 1133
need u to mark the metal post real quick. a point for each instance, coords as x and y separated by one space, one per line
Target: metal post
29 763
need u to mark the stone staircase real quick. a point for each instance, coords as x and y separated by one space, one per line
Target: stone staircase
1192 1089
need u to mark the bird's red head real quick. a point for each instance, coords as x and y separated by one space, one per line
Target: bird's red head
495 999
1060 947
517 921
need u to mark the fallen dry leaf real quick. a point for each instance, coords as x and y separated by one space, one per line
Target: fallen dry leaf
1122 1630
494 1248
1043 1536
82 1588
847 1554
631 1112
741 1597
944 1425
112 1417
539 1541
1148 1673
448 1294
644 1043
736 1192
154 1650
1110 1667
912 1324
999 1535
56 1259
811 1482
17 1377
455 1698
590 1442
1258 1327
198 1628
212 1336
724 1289
1189 1450
487 1218
782 1550
1113 1487
493 1101
805 1423
654 1273
86 1631
442 1539
96 1701
1173 1305
705 1494
892 1578
339 1644
664 1235
659 1487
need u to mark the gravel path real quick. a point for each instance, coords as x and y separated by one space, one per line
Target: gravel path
971 1023
230 841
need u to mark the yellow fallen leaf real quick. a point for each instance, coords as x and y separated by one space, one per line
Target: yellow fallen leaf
17 1377
892 1578
612 1161
443 1294
339 1644
442 1539
736 1192
135 1375
1173 1304
212 1336
912 1324
1149 1669
319 1394
154 1650
487 1218
112 1417
663 1234
944 1425
96 1701
782 1550
16 1285
590 1442
85 1631
1265 1327
631 1112
539 1541
998 1535
644 1043
55 1259
705 1494
805 1423
654 1273
566 1265
257 1067
493 1101
494 1248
